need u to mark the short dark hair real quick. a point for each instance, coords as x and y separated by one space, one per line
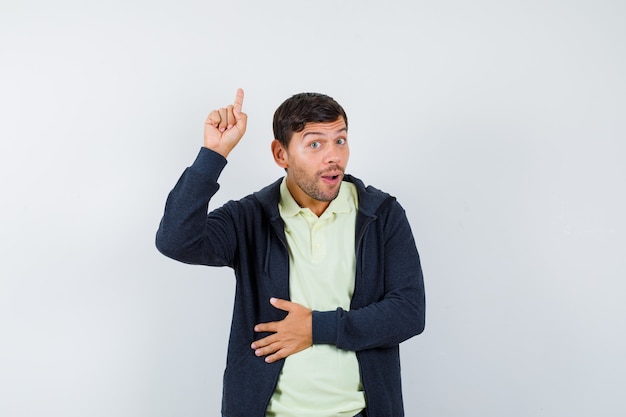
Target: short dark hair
300 109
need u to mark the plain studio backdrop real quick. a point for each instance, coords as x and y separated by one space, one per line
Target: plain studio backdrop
499 125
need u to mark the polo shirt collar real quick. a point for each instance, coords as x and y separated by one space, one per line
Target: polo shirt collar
290 208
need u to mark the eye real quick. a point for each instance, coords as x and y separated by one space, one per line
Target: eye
341 141
315 145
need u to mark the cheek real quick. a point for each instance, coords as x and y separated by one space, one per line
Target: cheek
306 160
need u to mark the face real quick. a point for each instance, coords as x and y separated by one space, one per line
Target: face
315 160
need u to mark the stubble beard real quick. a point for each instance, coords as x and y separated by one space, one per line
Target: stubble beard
311 185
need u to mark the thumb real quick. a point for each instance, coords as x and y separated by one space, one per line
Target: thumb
239 115
241 120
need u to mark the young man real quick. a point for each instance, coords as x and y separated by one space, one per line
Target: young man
329 281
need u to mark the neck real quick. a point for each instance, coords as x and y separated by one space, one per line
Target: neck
318 207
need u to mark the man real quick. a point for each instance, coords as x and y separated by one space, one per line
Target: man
328 278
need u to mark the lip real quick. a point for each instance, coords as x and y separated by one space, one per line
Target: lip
332 177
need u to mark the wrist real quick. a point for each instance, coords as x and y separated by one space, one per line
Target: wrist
209 163
324 327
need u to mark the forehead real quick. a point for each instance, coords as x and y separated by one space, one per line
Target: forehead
324 128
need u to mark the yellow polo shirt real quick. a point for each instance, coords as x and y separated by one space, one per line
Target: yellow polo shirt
321 380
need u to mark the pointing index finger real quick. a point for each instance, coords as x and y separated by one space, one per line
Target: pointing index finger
238 100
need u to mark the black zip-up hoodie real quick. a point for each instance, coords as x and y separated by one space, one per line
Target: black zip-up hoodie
388 304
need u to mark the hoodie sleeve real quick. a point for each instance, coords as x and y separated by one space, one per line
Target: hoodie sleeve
185 232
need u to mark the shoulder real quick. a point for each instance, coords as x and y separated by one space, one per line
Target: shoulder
371 199
262 202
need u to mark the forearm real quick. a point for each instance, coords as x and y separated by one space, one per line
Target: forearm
182 231
381 324
388 305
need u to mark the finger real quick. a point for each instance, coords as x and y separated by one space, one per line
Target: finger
280 354
267 350
238 100
223 120
266 341
272 350
230 117
213 118
270 327
281 304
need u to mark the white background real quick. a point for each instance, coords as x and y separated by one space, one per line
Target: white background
499 125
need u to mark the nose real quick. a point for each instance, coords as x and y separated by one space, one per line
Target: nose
333 155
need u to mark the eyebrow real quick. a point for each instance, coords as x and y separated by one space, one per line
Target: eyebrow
342 130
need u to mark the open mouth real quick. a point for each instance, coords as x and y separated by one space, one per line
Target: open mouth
331 179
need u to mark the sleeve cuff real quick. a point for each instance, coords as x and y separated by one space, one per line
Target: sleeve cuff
325 327
209 163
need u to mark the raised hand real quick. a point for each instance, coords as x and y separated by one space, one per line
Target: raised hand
290 335
224 127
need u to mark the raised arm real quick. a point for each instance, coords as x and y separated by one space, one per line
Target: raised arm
184 232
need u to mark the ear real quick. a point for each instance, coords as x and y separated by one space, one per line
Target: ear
280 154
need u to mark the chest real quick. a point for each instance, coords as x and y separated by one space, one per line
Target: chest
322 260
